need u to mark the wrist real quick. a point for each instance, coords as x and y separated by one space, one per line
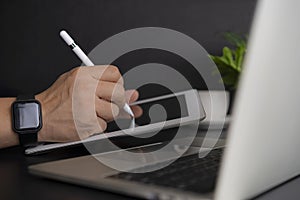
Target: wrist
7 136
42 133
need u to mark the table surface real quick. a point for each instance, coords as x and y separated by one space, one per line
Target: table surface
17 183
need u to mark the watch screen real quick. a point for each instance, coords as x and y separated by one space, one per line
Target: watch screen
27 115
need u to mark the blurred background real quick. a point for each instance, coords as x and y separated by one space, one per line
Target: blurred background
33 55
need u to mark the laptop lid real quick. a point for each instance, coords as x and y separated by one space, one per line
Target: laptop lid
264 140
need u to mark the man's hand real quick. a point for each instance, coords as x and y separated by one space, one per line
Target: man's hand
81 102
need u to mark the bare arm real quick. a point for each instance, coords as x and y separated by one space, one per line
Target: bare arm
7 135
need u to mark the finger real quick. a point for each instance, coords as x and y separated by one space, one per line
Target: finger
113 92
131 96
103 125
106 110
108 73
137 111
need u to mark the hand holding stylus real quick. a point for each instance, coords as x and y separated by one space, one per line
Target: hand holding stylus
85 59
67 103
58 103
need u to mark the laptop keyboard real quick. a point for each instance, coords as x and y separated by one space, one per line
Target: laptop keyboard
188 173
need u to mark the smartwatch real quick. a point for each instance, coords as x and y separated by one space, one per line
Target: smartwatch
27 119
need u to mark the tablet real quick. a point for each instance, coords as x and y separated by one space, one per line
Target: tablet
159 113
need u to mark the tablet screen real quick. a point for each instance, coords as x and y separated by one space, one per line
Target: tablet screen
162 110
155 111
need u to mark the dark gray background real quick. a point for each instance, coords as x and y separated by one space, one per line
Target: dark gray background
33 56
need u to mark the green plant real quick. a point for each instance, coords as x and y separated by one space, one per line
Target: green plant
230 63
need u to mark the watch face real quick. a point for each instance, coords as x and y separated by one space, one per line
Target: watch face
27 116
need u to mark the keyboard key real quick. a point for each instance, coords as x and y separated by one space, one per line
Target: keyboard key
189 173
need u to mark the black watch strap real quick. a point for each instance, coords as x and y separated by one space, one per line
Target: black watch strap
25 97
28 139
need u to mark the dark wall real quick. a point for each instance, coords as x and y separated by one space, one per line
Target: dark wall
33 56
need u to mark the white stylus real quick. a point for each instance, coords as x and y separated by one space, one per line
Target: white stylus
83 57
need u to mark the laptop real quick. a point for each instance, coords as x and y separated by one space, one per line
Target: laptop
263 142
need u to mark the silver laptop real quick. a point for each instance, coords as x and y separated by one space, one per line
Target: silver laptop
263 144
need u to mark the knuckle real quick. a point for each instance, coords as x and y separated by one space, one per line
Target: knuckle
75 70
122 91
114 71
63 76
119 94
113 68
121 80
70 73
119 89
115 110
73 73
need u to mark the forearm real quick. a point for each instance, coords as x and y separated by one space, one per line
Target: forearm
7 136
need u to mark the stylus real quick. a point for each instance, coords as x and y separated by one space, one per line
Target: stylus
83 57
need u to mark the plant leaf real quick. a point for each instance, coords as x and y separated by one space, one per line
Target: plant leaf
227 54
230 63
239 57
